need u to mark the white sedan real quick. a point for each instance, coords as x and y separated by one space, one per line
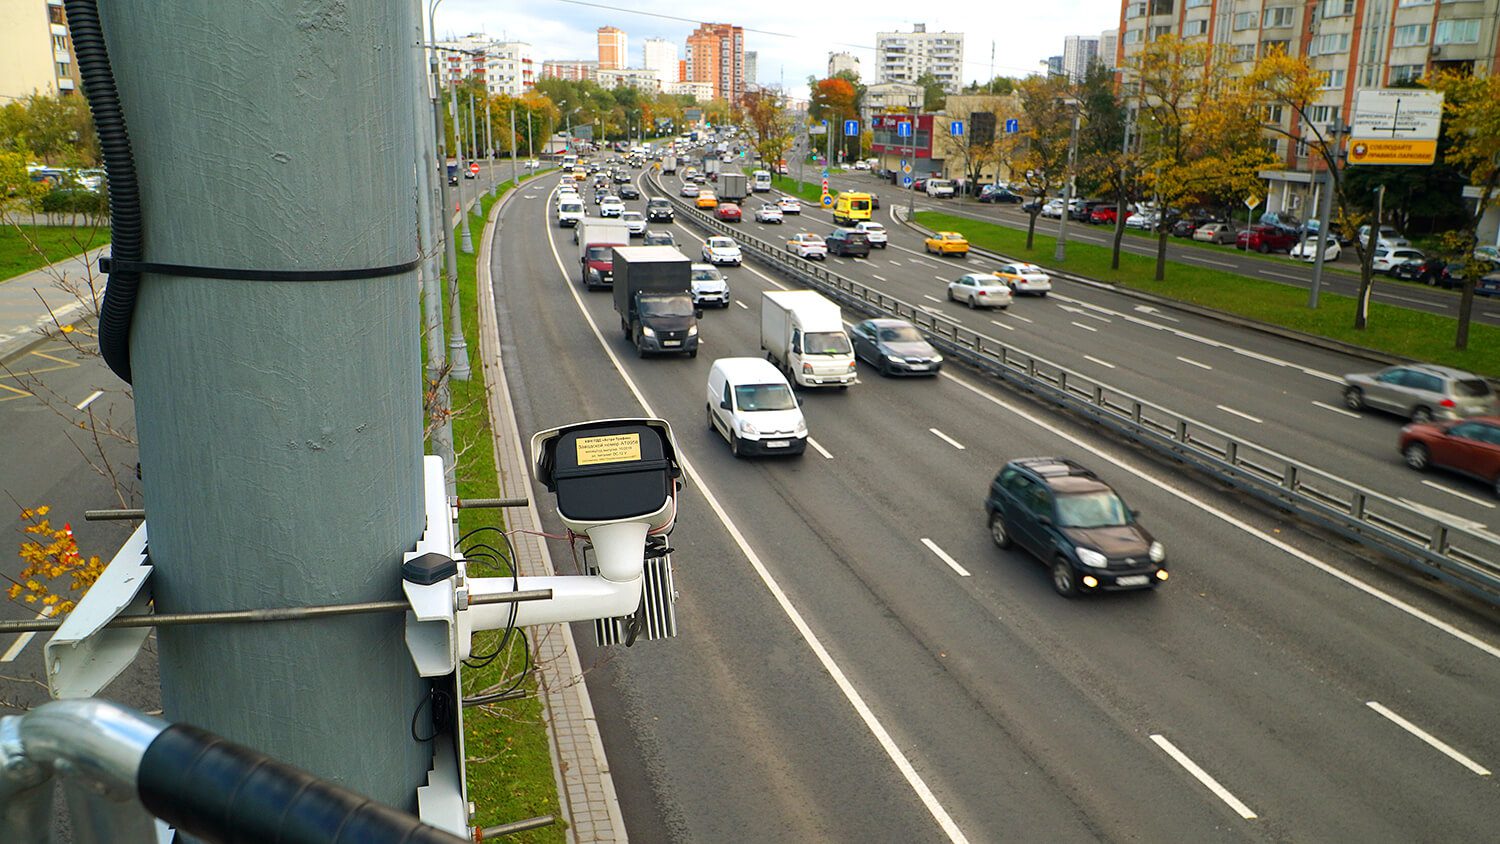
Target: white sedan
980 290
875 232
807 245
722 250
1025 278
635 223
768 213
688 189
611 207
1307 250
789 205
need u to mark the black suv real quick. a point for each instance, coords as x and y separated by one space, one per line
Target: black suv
629 191
848 242
1074 523
659 210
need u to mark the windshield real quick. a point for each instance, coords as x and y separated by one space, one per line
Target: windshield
600 253
572 207
720 243
666 306
1091 510
900 334
826 343
707 274
764 397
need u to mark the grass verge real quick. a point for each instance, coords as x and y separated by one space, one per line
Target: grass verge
1398 331
25 248
508 753
807 191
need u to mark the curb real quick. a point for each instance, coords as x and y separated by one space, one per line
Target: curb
592 809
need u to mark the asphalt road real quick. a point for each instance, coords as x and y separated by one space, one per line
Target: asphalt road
1281 394
953 695
1339 277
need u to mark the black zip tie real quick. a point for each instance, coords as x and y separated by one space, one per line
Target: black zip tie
110 265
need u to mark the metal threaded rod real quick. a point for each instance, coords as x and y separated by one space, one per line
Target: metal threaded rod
463 503
135 515
514 826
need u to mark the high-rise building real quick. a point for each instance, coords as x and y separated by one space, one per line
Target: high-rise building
613 52
505 66
638 78
752 68
842 63
571 70
1055 66
1357 44
1080 52
659 56
1109 41
36 51
907 56
716 54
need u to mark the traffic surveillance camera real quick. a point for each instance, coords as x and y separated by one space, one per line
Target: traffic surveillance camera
616 482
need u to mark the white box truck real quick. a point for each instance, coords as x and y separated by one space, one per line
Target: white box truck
802 333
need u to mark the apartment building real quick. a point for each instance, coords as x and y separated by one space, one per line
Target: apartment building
505 66
614 52
1358 44
638 78
1080 52
906 56
572 70
659 56
752 68
843 63
716 54
36 52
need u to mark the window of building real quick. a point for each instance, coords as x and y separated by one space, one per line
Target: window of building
1320 114
1334 79
1244 20
1338 8
1457 32
1161 7
61 68
1406 72
1273 46
1244 52
1198 4
1195 28
1132 36
1160 32
1274 145
1405 3
55 15
1410 35
1279 16
1273 114
1323 45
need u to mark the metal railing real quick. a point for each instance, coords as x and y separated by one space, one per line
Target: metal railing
1469 559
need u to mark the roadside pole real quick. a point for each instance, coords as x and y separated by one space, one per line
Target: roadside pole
515 178
458 347
489 145
1325 210
1060 253
430 164
467 243
280 422
489 165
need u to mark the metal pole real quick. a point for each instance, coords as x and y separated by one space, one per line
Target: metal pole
429 165
489 144
911 190
458 347
530 147
467 242
1060 254
315 467
474 150
1325 210
515 179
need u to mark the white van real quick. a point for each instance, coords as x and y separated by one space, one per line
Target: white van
752 406
762 182
569 212
939 187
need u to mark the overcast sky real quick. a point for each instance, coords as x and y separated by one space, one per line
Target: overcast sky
793 40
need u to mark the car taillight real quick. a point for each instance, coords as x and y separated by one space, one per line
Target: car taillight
982 293
1448 403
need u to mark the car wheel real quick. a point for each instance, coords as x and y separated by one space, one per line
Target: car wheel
950 295
734 445
1421 414
1042 295
972 305
1497 486
693 353
884 368
1417 456
709 412
1062 579
998 532
1264 249
1354 398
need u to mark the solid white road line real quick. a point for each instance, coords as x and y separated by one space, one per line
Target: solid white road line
819 447
1217 263
1002 325
1233 521
1465 496
1336 409
23 640
90 400
1202 776
1228 409
947 439
845 685
1192 362
943 555
1282 275
1086 327
742 304
1439 746
931 298
1103 363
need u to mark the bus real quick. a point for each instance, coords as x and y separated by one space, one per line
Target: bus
762 181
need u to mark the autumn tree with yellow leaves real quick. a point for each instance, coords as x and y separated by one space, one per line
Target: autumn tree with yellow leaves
51 558
1471 122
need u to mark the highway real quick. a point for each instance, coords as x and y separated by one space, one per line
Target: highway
858 662
1341 276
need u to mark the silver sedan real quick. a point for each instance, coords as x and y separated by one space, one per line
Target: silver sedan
980 290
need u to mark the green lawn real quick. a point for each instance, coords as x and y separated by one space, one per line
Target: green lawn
1399 331
808 191
509 759
25 248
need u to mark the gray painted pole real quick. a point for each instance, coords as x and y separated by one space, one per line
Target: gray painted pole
1060 250
430 164
489 144
467 242
280 423
458 347
1325 212
458 351
515 178
474 150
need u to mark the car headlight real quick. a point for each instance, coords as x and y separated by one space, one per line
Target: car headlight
1090 557
1158 552
937 358
802 426
648 331
692 331
746 427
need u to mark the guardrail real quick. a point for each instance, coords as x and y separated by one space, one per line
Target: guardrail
1466 558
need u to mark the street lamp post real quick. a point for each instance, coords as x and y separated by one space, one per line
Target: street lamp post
1061 252
467 242
514 178
911 190
1325 212
458 348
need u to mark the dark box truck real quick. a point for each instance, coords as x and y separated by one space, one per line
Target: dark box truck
653 296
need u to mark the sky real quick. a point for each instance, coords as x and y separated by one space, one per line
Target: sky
793 41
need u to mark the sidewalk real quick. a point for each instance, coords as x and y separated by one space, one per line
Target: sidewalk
30 302
586 789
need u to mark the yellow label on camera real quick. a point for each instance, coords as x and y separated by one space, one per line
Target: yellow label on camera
617 448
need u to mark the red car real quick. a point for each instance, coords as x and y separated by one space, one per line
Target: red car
1265 239
1467 446
1104 214
728 212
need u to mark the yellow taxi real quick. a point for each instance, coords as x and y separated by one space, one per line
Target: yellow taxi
947 243
706 199
579 175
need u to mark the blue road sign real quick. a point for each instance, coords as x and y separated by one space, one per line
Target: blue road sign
827 201
905 181
825 174
851 128
1012 125
956 128
903 130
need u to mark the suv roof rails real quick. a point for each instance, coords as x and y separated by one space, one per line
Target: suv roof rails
1056 467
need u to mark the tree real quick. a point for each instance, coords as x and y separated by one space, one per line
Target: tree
980 151
934 95
1201 132
835 100
1106 164
999 86
1471 125
58 130
770 126
1046 128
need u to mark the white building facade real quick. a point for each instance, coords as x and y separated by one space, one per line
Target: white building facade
907 56
659 56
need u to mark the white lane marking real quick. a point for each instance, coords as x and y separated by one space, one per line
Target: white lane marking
1464 495
23 640
1240 414
1337 409
931 298
877 277
1085 327
821 450
1002 325
947 439
90 400
1297 553
1147 309
1217 263
1019 317
1202 776
856 700
1443 517
1384 295
1432 740
941 278
1282 275
742 304
1103 363
1192 362
943 555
